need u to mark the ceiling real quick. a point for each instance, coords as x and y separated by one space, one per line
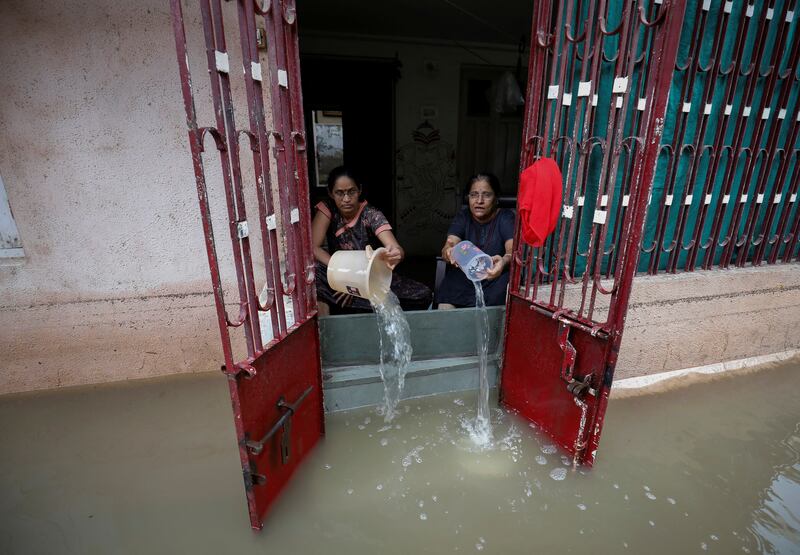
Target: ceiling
460 20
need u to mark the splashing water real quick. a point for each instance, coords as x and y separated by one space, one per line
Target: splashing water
481 430
395 350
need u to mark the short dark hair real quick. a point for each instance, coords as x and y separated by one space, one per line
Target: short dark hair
341 171
489 177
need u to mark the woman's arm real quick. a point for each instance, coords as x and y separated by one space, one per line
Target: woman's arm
447 249
394 252
319 227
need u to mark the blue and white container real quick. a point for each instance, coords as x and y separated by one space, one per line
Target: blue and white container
473 261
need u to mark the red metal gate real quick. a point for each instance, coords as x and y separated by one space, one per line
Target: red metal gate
276 388
599 74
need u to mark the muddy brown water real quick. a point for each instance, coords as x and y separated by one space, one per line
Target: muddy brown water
151 467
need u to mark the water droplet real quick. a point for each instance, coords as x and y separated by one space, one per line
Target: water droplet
581 506
548 449
327 466
349 491
671 500
704 546
558 473
616 486
379 487
646 488
650 496
651 523
435 498
541 460
423 516
420 503
714 537
384 441
479 546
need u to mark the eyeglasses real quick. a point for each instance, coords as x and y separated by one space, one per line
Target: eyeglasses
352 193
475 195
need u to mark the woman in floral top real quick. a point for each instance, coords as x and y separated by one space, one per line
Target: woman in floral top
345 222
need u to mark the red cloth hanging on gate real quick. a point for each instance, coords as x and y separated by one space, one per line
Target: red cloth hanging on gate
539 200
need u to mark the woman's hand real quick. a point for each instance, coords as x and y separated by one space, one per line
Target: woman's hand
392 256
343 299
447 254
447 249
498 263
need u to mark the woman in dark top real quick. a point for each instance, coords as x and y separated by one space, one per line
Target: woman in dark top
345 222
491 230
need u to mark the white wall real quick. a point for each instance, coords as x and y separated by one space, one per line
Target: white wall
94 154
424 206
95 160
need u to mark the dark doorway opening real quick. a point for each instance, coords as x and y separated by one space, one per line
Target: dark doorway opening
361 92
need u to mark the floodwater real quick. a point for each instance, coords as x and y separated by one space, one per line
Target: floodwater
151 467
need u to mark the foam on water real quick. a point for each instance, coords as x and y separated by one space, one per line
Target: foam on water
395 351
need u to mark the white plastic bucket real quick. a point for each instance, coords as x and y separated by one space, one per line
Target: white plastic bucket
360 273
473 261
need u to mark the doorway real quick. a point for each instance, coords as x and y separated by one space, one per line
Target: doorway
488 138
356 98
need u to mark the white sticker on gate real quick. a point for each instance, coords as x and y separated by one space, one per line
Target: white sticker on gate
255 71
221 61
599 217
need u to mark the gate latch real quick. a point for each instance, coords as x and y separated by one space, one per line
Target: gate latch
578 387
285 423
568 362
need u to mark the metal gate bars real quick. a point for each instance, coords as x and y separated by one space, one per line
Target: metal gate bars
599 80
276 388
